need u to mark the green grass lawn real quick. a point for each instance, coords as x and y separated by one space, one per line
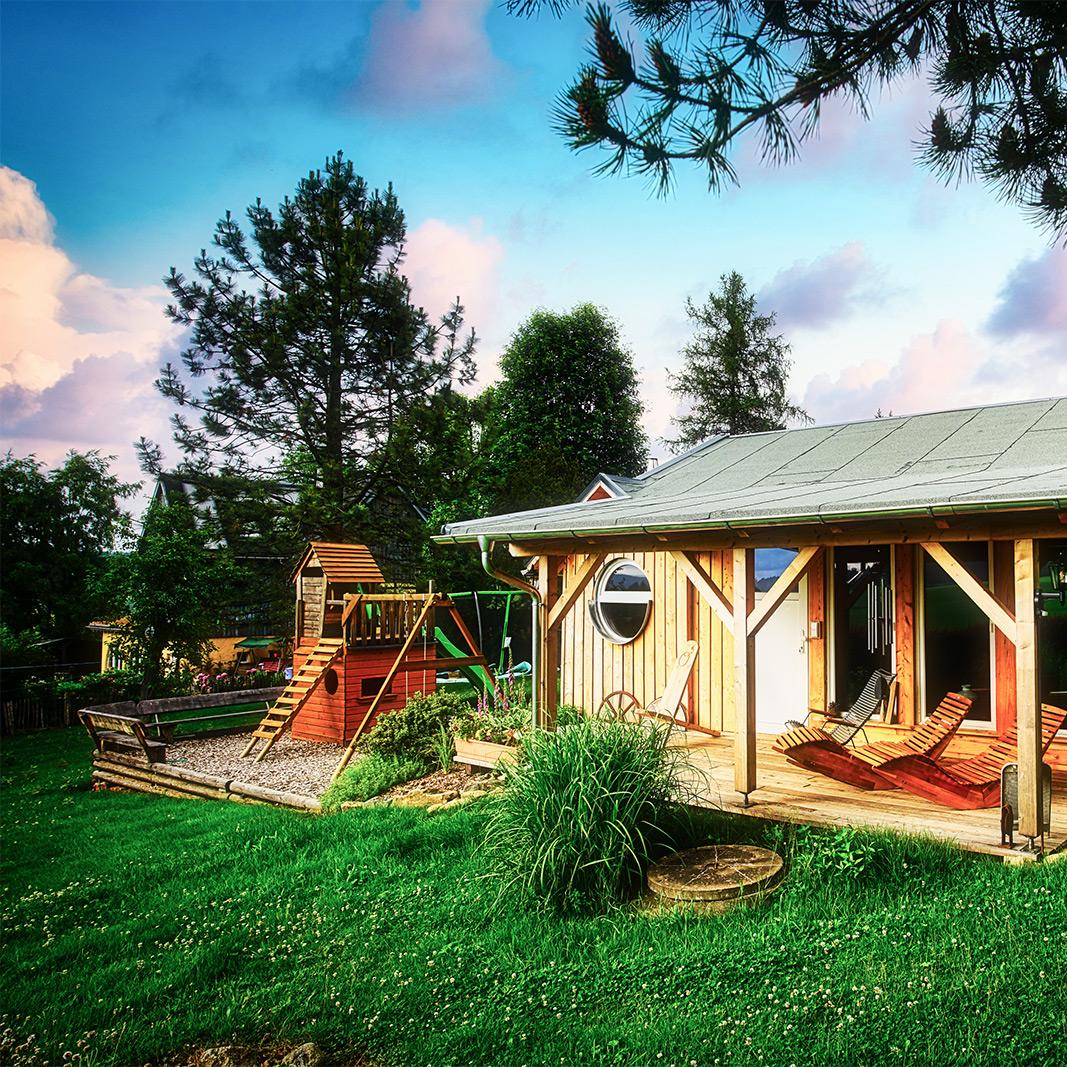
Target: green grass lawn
141 925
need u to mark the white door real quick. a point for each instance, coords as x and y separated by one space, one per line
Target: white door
782 664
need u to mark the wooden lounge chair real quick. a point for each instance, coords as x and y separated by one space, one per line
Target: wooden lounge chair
668 705
818 750
973 782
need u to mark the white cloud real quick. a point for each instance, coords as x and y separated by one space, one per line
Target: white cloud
78 355
947 368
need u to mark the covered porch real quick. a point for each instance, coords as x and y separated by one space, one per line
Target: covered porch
931 549
787 793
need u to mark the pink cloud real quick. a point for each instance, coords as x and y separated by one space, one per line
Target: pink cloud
437 54
817 293
78 355
23 216
1033 299
948 368
444 262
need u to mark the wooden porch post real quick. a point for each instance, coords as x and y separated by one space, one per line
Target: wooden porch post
1027 689
744 673
548 661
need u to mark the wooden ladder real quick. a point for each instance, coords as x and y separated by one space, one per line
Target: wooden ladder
304 682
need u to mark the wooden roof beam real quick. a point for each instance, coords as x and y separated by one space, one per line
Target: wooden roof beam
988 604
575 589
708 590
780 590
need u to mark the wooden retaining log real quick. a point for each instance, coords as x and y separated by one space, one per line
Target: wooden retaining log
135 778
130 773
275 796
167 769
138 785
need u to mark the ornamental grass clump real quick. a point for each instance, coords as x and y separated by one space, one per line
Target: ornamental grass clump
584 811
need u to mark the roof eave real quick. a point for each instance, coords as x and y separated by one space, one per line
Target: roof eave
759 522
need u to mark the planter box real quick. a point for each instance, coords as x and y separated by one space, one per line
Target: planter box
483 753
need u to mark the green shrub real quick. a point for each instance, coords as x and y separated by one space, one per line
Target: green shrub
370 776
414 730
583 811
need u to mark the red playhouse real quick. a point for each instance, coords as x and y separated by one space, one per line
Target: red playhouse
359 651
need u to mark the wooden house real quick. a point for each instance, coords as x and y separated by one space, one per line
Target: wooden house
799 560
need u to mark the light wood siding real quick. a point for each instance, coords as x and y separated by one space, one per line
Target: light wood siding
313 591
592 667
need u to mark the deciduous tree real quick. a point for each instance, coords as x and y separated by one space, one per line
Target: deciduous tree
169 593
56 528
566 408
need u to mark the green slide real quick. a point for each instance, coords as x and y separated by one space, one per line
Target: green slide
479 677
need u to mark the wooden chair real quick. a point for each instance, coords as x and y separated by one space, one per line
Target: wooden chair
668 705
973 782
816 749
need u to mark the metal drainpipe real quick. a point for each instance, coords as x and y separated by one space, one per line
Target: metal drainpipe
486 547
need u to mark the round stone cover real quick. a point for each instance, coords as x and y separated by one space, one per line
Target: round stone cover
716 873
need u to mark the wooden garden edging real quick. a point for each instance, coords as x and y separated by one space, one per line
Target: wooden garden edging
485 754
128 772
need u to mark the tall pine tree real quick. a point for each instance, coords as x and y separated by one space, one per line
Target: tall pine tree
735 369
305 355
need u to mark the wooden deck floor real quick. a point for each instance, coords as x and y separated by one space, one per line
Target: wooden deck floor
787 793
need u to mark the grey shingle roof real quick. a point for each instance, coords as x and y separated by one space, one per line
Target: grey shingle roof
947 462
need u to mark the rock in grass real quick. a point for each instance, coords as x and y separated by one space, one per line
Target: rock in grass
423 800
306 1055
221 1056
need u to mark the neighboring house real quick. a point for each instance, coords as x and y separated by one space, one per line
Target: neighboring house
914 544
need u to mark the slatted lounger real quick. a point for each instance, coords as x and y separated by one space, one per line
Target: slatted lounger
973 782
845 727
816 749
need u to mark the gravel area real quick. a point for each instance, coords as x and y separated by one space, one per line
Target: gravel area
303 767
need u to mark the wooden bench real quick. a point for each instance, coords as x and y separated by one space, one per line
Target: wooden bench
113 732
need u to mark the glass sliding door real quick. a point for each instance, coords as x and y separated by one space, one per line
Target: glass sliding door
863 615
957 635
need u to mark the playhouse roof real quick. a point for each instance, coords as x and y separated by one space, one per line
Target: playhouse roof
341 563
994 458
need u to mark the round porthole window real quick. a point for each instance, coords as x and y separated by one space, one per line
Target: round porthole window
330 681
622 601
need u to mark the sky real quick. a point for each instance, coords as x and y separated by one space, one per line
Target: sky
128 129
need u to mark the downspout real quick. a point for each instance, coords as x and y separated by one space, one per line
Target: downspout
486 547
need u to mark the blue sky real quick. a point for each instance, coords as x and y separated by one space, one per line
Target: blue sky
128 129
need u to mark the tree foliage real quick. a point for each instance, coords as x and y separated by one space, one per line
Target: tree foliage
712 70
306 353
56 527
168 593
566 408
735 370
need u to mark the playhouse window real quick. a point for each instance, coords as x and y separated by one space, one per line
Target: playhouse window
621 602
